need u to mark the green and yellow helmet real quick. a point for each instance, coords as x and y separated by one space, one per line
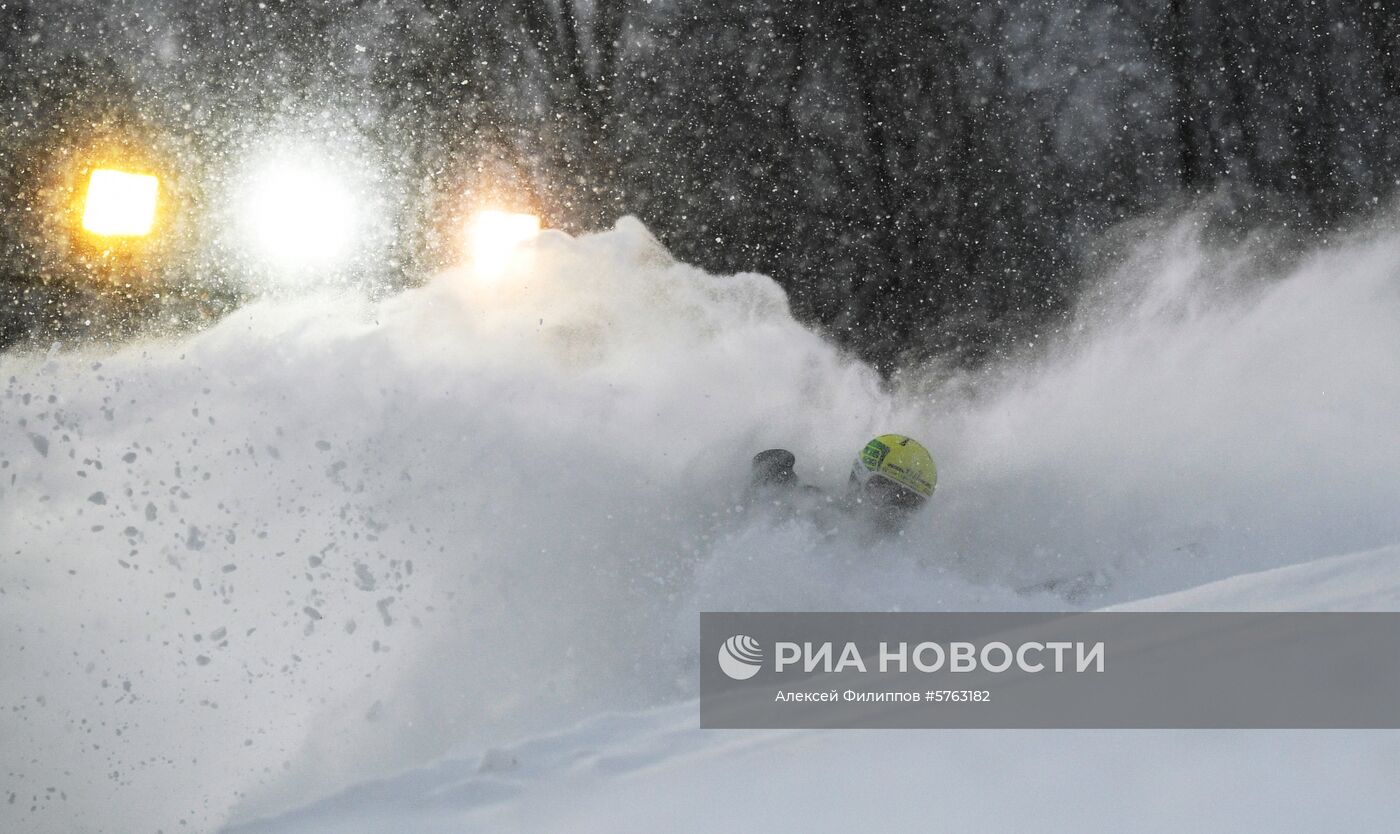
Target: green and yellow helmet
896 469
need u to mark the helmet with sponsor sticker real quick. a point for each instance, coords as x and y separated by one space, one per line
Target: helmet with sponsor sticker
894 471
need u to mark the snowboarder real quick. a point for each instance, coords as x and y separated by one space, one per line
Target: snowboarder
891 479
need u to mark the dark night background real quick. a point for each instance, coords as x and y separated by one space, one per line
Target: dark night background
931 177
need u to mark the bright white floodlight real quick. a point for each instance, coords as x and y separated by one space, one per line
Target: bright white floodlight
493 237
300 216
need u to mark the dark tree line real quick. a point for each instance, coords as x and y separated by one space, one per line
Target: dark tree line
922 177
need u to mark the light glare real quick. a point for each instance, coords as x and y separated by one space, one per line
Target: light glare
493 237
120 204
301 217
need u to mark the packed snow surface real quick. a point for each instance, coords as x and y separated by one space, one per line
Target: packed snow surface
332 539
654 771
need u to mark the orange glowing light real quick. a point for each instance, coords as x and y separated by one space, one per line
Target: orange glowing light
120 204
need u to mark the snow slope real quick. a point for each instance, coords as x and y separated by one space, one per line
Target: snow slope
1368 581
654 771
332 538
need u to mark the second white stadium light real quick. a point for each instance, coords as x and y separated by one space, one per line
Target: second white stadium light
493 238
